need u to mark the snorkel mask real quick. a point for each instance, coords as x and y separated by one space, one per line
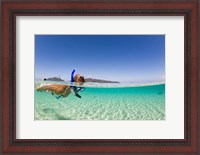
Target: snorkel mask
74 89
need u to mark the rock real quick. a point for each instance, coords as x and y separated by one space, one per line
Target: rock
53 79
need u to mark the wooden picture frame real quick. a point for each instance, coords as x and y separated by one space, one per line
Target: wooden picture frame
189 9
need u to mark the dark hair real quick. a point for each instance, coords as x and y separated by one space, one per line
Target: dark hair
79 78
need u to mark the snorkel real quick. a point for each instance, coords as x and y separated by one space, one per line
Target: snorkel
72 75
72 81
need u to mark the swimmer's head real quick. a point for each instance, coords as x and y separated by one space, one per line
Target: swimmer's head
79 79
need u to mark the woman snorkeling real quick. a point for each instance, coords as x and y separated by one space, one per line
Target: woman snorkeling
63 90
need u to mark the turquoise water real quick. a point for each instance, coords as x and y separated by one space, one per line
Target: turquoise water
109 102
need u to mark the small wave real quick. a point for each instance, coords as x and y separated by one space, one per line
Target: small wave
117 85
103 85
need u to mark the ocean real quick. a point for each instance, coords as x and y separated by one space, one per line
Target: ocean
122 101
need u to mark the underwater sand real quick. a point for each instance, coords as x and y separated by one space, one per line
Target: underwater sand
109 102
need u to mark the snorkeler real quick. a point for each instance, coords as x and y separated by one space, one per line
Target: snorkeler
63 90
76 89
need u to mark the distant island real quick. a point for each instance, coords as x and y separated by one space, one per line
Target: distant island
86 80
53 79
99 80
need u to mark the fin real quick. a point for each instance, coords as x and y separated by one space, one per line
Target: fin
58 97
80 89
77 95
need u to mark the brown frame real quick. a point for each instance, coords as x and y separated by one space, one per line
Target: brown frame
12 8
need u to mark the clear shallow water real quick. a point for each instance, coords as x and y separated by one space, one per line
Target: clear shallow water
104 102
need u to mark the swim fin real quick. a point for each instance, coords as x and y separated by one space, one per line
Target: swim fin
77 95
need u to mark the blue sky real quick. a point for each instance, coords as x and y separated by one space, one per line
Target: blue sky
125 58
